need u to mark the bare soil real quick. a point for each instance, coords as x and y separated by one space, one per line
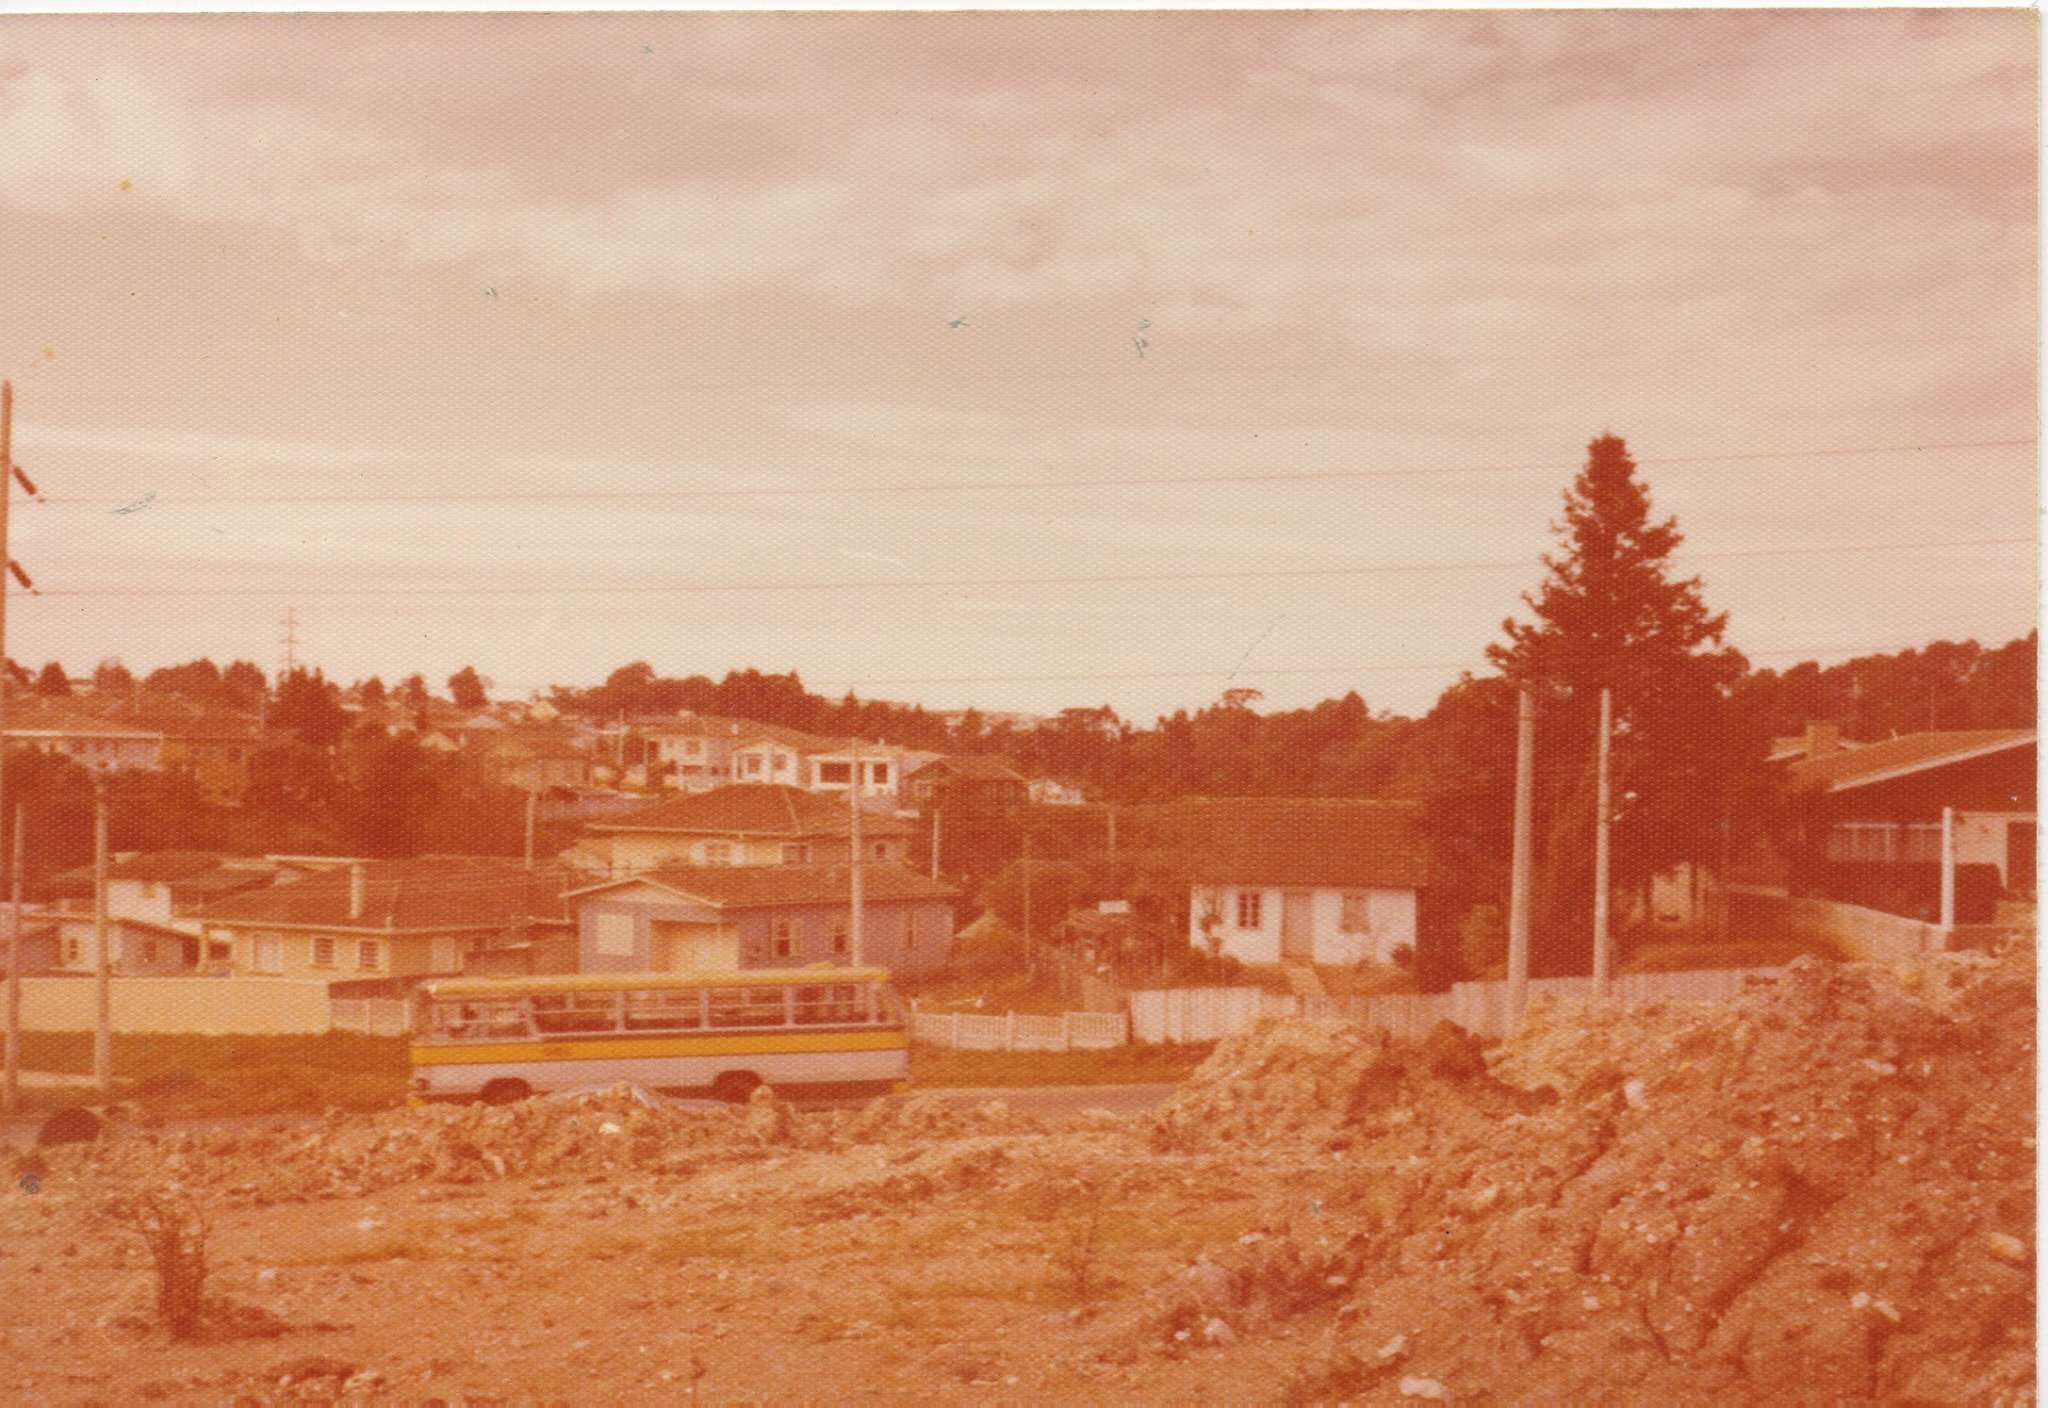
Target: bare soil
1821 1191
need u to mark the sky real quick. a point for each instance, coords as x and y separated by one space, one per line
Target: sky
1009 360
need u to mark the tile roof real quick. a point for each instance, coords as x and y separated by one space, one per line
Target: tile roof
974 767
768 886
1298 841
1908 753
432 892
754 809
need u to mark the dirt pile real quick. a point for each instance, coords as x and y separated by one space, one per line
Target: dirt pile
1821 1189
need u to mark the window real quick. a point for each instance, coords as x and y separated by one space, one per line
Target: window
796 853
1356 915
368 954
1250 910
878 775
219 951
718 853
576 1011
693 748
664 1011
911 931
784 935
750 765
840 942
881 850
747 1007
612 935
835 774
323 952
73 953
833 1004
502 1018
268 954
145 952
781 762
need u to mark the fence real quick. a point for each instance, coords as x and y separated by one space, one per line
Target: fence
1021 1031
1209 1014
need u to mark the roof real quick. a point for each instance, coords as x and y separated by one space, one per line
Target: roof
1902 756
433 892
974 767
754 809
32 721
522 984
1302 841
771 886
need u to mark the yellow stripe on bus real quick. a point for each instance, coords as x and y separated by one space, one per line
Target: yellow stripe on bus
602 1049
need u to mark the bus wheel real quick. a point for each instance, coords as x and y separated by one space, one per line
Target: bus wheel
504 1092
734 1087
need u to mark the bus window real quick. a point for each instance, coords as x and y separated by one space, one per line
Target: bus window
747 1007
576 1011
835 1004
479 1020
664 1009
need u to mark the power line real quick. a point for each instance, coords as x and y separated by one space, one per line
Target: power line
990 485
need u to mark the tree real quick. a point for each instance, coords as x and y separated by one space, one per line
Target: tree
112 677
309 706
1610 614
53 683
372 693
467 688
244 683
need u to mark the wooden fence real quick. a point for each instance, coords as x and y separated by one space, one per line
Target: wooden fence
1021 1031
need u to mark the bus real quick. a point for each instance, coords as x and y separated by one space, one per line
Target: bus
811 1033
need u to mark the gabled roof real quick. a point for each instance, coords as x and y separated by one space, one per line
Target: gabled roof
1314 842
1902 756
973 767
753 809
430 893
773 886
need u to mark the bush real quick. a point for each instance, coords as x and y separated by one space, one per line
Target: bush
175 1231
1483 938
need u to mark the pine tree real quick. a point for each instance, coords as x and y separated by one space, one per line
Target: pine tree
1611 614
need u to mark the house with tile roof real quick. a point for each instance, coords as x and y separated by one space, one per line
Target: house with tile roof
94 743
1308 880
1870 820
165 888
366 919
745 823
967 779
722 919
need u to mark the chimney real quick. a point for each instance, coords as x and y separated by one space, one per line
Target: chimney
1823 739
358 887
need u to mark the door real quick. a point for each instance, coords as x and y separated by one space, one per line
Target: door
2019 858
1297 926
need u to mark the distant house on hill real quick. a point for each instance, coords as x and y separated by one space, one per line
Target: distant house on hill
968 779
743 824
1304 880
96 744
722 919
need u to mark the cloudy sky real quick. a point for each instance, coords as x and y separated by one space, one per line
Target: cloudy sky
1010 360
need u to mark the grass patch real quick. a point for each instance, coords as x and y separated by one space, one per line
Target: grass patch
198 1076
935 1067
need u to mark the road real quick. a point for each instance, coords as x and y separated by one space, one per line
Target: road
1044 1101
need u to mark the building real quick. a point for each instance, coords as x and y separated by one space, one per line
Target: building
723 919
167 888
1299 880
755 823
381 918
92 743
1870 820
969 780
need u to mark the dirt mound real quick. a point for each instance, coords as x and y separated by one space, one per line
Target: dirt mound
1822 1189
929 1117
1292 1079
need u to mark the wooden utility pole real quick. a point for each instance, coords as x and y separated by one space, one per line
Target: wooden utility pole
103 1026
532 815
1518 890
12 1097
1603 953
13 1080
1948 876
854 935
1030 950
936 815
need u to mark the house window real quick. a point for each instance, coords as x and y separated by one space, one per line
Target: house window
219 951
693 748
323 952
145 952
750 765
840 942
911 930
784 935
718 853
368 954
878 775
782 762
835 774
1356 916
881 850
268 955
796 853
73 953
1250 908
612 935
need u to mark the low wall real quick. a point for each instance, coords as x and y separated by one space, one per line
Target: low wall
1868 934
201 1006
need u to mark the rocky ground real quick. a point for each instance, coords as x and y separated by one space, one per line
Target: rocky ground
1821 1191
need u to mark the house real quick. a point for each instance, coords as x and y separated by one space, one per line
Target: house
695 752
882 767
1870 820
1047 792
380 918
536 760
746 823
1288 879
166 888
93 743
722 919
215 756
968 779
137 947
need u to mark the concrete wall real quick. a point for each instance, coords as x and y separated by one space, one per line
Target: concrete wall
206 1006
1390 916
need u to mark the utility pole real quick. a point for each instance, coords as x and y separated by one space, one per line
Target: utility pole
936 817
1112 835
13 1090
1518 892
854 935
103 1026
1030 950
291 639
532 815
1948 876
1603 955
12 1096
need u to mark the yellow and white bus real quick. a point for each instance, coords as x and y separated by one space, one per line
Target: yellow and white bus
818 1032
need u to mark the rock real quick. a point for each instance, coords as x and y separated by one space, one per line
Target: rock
1636 1093
1430 1389
1218 1331
2006 1247
1394 1348
76 1125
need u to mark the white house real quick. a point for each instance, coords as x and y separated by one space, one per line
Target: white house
1306 880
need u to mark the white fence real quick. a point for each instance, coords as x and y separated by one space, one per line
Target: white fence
1021 1031
378 1016
1209 1014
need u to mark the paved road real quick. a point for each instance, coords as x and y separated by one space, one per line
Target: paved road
1046 1101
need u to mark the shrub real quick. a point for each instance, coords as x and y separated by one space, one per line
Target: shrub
175 1232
